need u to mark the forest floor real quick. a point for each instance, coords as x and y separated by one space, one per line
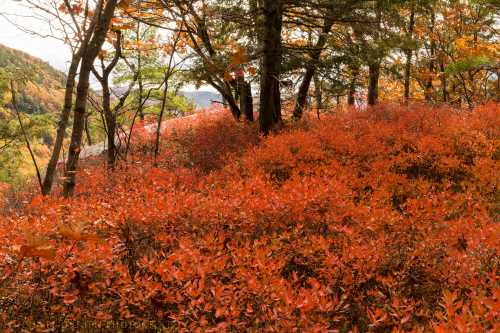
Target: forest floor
383 220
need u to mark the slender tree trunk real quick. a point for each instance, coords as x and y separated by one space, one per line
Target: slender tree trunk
351 97
428 85
110 123
270 98
140 93
62 125
246 99
303 92
444 83
110 114
318 93
409 53
432 68
168 74
498 86
160 118
87 130
88 58
311 69
228 96
67 106
140 103
25 134
373 78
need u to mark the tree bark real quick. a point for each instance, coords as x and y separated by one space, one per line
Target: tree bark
409 53
373 78
311 69
110 119
140 103
246 99
99 34
66 111
62 125
351 96
270 98
87 130
428 86
109 114
25 134
444 83
318 93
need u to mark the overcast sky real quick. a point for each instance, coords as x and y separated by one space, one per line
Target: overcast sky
48 49
53 51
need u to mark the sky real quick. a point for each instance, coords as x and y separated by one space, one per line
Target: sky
51 50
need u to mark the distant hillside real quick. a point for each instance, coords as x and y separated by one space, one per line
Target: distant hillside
44 93
40 100
202 99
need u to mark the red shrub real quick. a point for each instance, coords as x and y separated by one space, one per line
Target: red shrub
383 220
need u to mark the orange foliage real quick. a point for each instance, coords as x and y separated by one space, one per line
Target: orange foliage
383 220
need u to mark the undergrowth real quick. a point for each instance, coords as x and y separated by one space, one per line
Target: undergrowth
384 220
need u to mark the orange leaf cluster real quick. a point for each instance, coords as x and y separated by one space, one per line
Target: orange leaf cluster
383 220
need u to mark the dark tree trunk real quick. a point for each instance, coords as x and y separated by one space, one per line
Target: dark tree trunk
62 125
270 98
140 101
111 113
373 78
88 58
311 70
66 111
428 85
303 92
246 99
318 93
444 83
110 118
498 86
228 96
160 116
351 97
87 130
409 53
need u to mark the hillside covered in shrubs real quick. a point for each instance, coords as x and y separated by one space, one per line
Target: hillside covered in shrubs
383 220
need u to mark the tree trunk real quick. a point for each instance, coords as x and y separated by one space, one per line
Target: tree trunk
66 111
444 83
246 99
140 102
498 86
270 98
87 130
318 93
25 135
303 92
311 69
62 125
428 86
160 117
409 53
88 57
351 97
374 74
228 96
110 123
